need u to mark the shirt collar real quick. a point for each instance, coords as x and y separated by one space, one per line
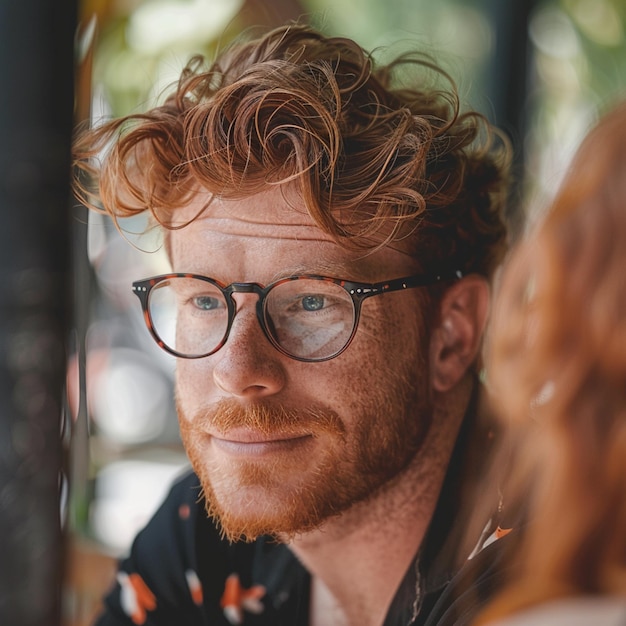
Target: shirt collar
448 543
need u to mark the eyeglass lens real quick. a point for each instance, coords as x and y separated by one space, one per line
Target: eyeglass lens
307 318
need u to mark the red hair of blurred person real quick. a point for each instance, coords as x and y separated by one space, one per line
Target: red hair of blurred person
557 371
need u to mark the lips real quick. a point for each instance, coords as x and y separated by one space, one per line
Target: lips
253 435
256 443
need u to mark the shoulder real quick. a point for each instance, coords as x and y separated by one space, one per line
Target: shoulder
181 571
158 580
473 586
581 611
184 492
169 536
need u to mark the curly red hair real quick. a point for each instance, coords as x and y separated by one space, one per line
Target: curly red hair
376 153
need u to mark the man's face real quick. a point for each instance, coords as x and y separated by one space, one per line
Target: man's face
281 445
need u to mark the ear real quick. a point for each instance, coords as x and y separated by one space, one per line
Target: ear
456 338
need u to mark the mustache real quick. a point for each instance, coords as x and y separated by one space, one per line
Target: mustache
229 414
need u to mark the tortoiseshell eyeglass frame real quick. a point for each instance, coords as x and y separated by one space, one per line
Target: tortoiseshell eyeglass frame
357 291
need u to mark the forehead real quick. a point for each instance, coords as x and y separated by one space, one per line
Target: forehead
275 213
270 229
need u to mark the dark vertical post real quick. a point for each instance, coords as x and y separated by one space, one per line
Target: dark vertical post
36 107
508 83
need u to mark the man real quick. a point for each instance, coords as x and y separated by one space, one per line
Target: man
331 226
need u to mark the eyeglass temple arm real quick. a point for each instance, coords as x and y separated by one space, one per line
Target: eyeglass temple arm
418 280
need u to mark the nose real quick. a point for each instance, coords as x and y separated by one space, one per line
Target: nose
247 365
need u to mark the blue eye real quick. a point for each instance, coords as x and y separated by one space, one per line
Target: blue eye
206 303
312 303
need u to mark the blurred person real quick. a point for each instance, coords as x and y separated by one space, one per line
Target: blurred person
557 372
332 226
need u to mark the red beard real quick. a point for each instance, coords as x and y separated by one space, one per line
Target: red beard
294 492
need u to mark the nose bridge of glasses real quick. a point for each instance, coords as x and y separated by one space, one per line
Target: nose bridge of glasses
246 288
251 288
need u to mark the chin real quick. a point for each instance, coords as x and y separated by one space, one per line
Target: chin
251 500
255 513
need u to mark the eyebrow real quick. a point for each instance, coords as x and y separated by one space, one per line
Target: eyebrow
358 271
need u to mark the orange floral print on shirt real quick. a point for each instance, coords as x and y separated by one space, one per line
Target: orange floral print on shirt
235 599
136 597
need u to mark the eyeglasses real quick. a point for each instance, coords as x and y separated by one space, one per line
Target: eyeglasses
308 318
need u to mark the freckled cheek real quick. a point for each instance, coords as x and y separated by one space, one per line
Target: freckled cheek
353 375
380 338
194 384
387 336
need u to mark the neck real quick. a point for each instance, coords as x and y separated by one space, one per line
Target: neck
358 559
